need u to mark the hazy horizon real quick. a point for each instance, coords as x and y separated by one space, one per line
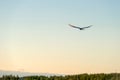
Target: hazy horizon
35 36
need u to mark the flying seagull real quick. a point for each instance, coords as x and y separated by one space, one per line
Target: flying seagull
81 28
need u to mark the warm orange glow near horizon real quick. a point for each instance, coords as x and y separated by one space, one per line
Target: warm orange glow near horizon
35 36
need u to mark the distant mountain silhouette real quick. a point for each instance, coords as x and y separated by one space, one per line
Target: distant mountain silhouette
21 74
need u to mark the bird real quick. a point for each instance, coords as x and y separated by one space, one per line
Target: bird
80 28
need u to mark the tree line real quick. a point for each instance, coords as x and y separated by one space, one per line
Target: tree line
101 76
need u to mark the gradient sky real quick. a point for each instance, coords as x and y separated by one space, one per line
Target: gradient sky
35 36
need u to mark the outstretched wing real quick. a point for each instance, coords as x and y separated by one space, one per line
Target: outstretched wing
87 26
73 26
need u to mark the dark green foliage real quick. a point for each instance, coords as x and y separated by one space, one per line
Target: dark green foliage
9 77
102 76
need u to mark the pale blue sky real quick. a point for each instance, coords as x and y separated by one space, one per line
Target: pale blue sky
35 36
